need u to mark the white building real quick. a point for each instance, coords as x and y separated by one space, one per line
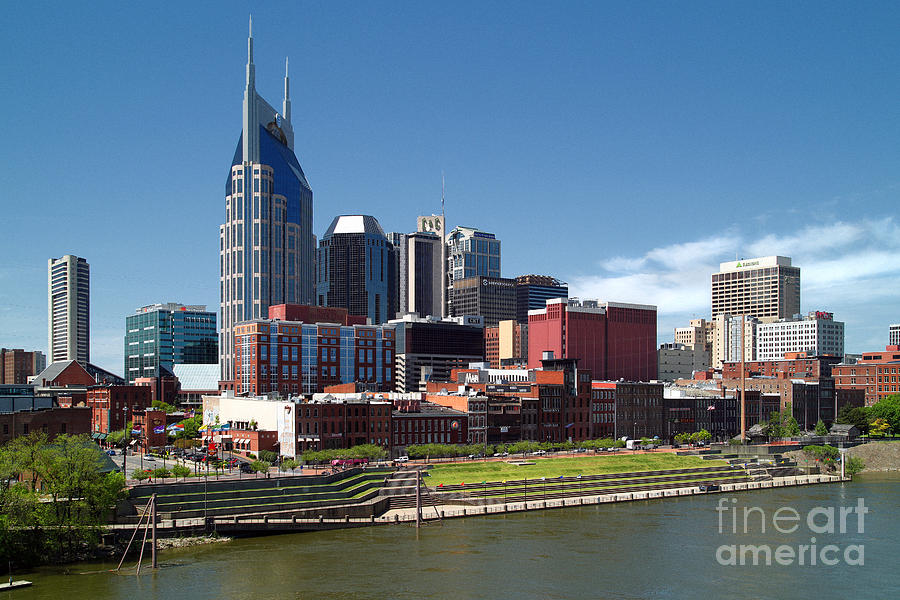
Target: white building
895 335
69 309
816 333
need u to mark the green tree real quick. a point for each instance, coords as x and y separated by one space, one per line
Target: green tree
854 415
289 465
879 427
888 409
260 466
268 456
63 496
180 471
820 428
159 404
854 465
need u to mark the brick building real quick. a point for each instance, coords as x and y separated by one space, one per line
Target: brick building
612 340
331 421
52 421
292 357
797 365
16 365
114 405
427 423
876 373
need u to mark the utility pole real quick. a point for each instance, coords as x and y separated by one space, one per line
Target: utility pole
743 386
153 534
418 499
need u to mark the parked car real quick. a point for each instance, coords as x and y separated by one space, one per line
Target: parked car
246 468
401 459
111 452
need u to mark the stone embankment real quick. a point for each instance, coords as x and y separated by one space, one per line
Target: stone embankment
877 456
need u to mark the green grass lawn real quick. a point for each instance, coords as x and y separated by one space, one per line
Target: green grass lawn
477 471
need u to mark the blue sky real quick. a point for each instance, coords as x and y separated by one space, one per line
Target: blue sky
627 148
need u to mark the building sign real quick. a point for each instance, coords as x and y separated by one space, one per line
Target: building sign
433 223
497 282
507 388
747 263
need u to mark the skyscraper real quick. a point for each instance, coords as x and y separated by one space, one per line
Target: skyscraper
757 287
533 291
266 243
425 280
357 268
69 309
401 245
470 253
161 335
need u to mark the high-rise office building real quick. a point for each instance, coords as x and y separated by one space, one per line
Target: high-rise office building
894 335
69 309
357 268
436 224
401 245
17 365
426 282
266 243
162 335
470 253
493 298
757 287
533 291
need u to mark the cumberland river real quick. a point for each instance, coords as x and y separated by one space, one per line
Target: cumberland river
669 548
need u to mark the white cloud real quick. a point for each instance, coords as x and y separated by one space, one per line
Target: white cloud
849 268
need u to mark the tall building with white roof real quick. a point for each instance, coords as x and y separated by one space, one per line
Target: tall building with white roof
69 309
758 287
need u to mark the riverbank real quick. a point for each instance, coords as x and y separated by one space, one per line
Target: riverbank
878 457
448 510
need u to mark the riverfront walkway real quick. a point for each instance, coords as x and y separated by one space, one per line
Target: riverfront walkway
256 524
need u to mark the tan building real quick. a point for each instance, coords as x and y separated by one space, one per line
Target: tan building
506 344
760 287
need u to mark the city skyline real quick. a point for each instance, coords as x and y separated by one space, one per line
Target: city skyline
754 138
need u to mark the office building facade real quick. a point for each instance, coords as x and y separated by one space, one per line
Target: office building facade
426 286
533 291
894 335
17 365
357 268
69 309
291 357
429 348
760 287
494 298
613 340
470 253
400 242
159 336
816 334
436 224
266 243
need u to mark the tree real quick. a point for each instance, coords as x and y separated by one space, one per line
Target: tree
820 428
704 436
268 456
62 499
260 466
159 404
888 409
879 428
289 465
180 471
857 416
854 465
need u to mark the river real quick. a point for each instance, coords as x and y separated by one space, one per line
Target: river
668 548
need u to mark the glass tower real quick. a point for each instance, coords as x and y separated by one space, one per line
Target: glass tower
357 268
266 244
162 335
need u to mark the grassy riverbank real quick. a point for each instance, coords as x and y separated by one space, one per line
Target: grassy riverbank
478 471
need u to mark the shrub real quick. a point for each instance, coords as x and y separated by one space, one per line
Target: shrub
289 465
268 456
180 471
854 465
141 475
160 473
260 466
